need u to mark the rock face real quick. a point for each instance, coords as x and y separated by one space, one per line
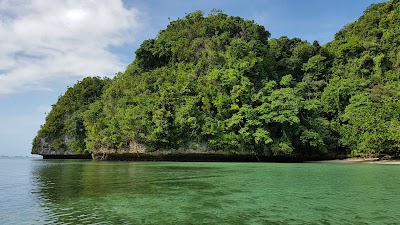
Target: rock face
45 150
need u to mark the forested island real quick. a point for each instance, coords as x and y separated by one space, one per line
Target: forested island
217 87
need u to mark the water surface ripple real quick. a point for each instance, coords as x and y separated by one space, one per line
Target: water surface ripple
37 191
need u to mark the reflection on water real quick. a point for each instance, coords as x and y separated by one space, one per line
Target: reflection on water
91 192
88 192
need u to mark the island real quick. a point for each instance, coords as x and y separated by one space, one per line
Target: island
218 88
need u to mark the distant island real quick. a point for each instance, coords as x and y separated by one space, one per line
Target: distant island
218 88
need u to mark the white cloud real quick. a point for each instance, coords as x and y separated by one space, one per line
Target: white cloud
43 41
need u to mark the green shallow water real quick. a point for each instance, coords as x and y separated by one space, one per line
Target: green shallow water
92 192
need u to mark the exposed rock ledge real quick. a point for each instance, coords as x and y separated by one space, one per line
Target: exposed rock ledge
66 156
189 157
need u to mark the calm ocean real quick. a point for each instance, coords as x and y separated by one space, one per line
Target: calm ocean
35 191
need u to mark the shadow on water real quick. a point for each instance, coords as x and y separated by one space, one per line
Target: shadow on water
92 192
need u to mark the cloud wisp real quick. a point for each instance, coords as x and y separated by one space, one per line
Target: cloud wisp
43 41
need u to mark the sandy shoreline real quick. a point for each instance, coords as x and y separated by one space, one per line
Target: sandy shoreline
363 160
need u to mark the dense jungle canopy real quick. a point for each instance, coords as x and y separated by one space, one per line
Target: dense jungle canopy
218 83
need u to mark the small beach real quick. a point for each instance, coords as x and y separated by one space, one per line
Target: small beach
363 160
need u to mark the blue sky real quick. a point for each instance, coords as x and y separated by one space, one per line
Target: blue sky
46 46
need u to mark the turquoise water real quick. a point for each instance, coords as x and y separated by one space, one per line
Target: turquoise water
34 191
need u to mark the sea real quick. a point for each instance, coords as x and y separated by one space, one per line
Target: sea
37 191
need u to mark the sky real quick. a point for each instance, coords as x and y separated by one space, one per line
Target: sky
46 46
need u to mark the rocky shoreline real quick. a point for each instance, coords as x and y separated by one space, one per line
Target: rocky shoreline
192 157
54 156
215 157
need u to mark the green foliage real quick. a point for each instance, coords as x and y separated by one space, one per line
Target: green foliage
218 83
370 122
64 129
361 99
